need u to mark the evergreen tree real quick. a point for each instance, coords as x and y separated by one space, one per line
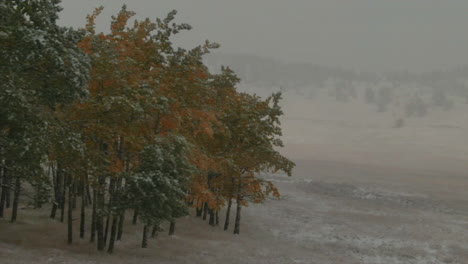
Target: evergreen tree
42 69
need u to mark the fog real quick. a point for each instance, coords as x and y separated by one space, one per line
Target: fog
364 82
329 56
416 35
375 101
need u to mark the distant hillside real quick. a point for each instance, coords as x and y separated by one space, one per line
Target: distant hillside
264 71
269 71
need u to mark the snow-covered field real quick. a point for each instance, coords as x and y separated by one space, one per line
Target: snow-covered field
362 192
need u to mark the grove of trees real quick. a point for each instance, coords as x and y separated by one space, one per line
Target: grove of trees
107 126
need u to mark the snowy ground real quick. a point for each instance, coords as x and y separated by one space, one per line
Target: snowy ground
362 192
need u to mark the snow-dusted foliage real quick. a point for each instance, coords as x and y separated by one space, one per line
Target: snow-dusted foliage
129 120
159 188
41 69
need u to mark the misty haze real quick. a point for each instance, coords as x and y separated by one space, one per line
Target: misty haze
264 131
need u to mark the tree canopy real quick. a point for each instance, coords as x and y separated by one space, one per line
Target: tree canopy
127 122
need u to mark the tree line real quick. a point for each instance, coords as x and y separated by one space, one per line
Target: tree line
104 126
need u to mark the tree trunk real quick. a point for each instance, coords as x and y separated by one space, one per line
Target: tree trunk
14 212
172 228
205 210
62 197
238 216
75 191
113 234
5 186
199 211
8 195
100 233
217 218
89 200
1 172
239 207
135 216
228 214
37 198
93 218
110 206
107 228
82 213
8 185
144 241
100 214
112 214
55 180
121 219
154 233
70 210
2 181
53 211
212 218
121 224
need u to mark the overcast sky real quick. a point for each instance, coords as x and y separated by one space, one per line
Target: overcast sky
418 35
